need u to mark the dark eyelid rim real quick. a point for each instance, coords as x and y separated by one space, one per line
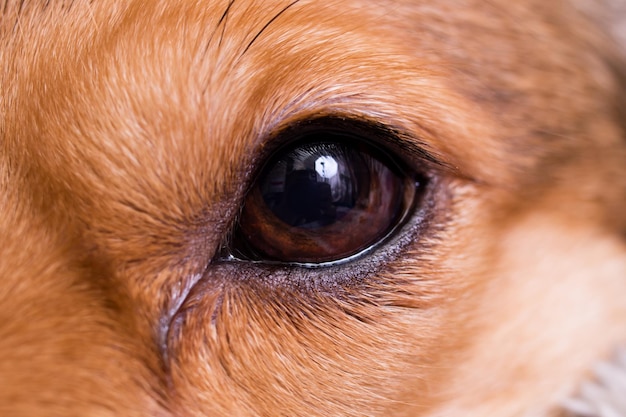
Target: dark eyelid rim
403 150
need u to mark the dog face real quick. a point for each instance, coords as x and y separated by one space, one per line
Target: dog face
145 270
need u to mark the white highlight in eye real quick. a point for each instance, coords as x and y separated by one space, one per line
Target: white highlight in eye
326 166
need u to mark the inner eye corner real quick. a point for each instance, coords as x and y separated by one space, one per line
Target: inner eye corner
326 191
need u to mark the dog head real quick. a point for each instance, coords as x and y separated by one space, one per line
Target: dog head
145 269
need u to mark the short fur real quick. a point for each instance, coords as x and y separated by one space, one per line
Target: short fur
129 133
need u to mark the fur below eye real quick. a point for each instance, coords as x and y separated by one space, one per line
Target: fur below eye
328 197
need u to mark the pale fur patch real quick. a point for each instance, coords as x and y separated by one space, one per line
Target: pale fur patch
605 394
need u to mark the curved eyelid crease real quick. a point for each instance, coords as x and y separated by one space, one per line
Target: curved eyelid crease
329 194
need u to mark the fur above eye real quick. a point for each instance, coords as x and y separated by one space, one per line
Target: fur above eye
329 196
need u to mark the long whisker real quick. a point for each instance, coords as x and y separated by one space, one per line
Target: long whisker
267 24
223 21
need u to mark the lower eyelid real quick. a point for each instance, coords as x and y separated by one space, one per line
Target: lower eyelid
337 275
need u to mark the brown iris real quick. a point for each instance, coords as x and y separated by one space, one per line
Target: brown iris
323 199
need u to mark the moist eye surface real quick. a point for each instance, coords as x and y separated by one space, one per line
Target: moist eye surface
328 196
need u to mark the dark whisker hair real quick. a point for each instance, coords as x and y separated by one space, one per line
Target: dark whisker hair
223 21
267 24
220 24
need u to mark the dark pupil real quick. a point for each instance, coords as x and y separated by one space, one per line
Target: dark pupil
316 185
322 201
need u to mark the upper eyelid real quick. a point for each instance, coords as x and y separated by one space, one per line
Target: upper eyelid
411 150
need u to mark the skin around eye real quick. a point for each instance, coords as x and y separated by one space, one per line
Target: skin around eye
323 199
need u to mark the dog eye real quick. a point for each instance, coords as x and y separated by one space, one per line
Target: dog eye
330 195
